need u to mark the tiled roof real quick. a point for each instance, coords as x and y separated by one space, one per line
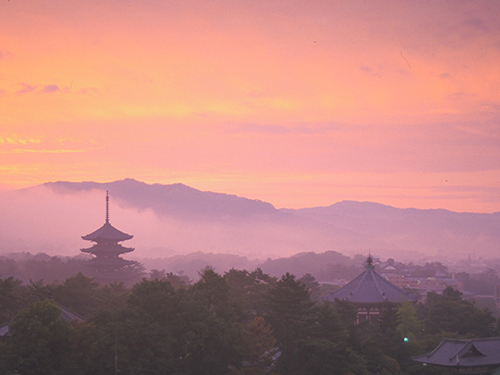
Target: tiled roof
107 233
370 287
4 330
464 353
66 314
108 250
109 262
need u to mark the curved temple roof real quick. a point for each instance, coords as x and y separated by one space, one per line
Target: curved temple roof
110 262
108 250
370 287
464 353
66 314
107 232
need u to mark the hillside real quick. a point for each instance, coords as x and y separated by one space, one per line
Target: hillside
169 220
445 232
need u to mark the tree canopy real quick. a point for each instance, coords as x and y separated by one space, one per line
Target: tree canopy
238 323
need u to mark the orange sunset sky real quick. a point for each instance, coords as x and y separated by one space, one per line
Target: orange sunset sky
297 103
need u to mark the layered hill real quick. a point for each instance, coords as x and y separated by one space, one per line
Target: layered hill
176 219
433 231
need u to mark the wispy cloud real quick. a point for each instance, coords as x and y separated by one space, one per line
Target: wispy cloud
490 106
297 128
89 90
259 128
26 88
467 189
16 144
48 89
476 24
22 151
17 140
368 70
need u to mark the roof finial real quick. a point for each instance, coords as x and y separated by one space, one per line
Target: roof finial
369 262
107 207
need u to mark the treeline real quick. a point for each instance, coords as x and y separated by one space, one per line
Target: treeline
327 266
239 323
26 267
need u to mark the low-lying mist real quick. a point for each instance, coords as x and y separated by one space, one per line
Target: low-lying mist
42 220
169 220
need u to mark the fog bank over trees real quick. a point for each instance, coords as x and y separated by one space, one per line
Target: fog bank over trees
169 220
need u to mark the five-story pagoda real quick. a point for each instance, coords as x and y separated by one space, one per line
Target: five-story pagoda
107 263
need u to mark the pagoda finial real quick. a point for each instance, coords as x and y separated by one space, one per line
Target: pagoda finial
369 262
107 207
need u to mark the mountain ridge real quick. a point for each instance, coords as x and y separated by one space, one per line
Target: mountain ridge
165 196
61 186
182 219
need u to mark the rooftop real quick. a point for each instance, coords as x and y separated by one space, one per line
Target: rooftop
107 233
66 314
464 353
370 287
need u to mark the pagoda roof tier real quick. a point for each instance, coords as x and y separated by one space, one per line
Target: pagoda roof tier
370 288
464 353
107 250
115 275
107 233
109 262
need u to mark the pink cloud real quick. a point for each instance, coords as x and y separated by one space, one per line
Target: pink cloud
26 88
50 89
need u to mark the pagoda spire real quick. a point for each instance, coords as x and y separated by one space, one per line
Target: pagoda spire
107 207
106 251
369 263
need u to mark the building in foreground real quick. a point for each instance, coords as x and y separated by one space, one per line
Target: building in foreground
370 292
107 265
470 356
66 314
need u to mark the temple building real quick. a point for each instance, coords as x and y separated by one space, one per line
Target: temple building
370 292
66 314
470 356
107 263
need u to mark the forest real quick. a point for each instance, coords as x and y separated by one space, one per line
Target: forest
238 323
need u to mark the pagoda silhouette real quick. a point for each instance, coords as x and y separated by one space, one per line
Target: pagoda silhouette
107 265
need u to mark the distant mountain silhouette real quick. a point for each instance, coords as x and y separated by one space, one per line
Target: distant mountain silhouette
302 263
440 230
221 222
176 200
189 220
